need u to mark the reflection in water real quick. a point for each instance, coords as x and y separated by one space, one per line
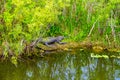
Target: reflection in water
29 73
85 73
117 74
63 66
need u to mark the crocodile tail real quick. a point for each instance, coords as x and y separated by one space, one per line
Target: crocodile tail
40 40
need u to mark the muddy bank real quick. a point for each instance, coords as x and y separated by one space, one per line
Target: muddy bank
94 46
42 50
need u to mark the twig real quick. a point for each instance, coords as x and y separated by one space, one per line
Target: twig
107 38
112 28
35 42
92 28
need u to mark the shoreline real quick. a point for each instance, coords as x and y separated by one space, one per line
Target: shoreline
69 46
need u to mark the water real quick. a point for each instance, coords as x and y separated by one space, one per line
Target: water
77 65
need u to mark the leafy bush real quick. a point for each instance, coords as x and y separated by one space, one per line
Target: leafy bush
27 20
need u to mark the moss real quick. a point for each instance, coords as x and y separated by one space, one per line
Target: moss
97 48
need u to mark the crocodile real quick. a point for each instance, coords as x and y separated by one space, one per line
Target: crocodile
49 42
52 40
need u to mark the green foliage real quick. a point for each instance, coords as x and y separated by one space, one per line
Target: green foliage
29 19
14 60
54 30
78 19
25 19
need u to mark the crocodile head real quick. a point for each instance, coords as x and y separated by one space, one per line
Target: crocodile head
60 38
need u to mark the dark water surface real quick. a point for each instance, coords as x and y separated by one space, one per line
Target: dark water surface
78 65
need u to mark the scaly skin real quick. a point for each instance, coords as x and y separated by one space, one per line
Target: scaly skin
53 40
